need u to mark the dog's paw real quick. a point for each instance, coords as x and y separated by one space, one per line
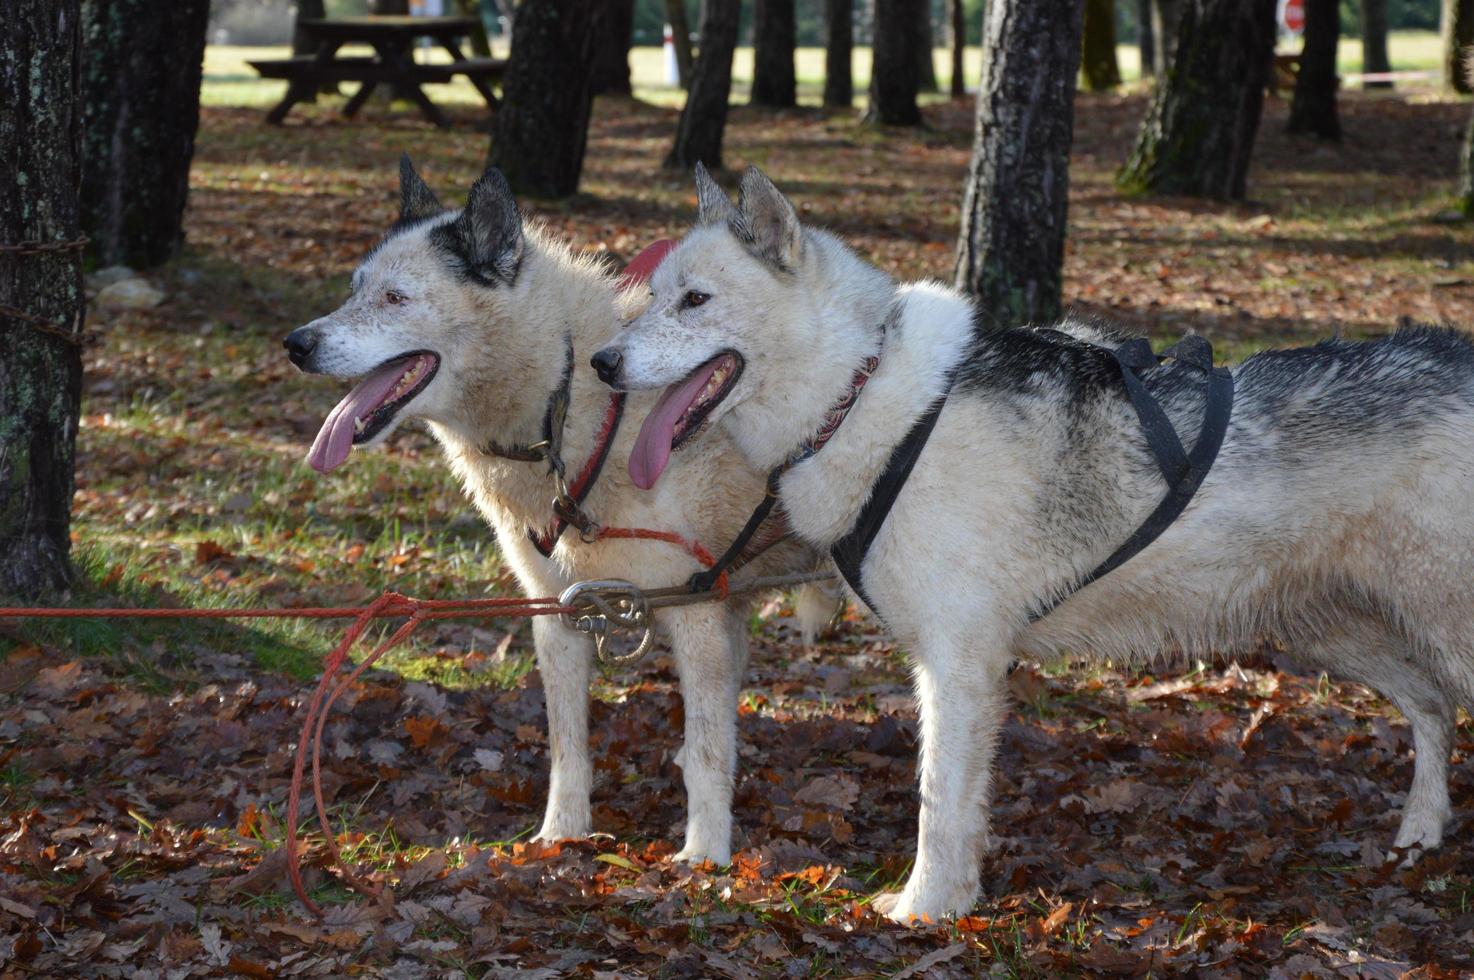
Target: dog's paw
696 854
908 909
1421 832
563 828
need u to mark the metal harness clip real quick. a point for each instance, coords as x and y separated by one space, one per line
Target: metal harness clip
606 607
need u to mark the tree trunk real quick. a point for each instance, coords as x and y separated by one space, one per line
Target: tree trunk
611 74
1466 168
704 118
41 302
893 75
675 16
1146 38
1457 30
926 64
959 48
1101 71
1313 108
1011 248
774 36
1198 134
839 47
1374 41
140 110
542 124
1165 18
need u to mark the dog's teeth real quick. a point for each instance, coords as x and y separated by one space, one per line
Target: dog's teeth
358 426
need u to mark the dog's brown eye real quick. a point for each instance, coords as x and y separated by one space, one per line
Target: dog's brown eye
394 297
693 298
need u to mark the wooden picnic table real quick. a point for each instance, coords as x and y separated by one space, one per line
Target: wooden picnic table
393 40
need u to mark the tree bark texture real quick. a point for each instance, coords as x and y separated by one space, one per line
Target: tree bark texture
1374 58
611 74
41 301
1466 171
1101 71
1313 107
839 48
542 126
1457 30
1011 248
1146 38
704 117
893 73
141 107
1198 135
959 47
926 65
1165 17
774 36
680 29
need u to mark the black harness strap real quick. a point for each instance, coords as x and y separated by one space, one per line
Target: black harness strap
707 580
849 551
1184 472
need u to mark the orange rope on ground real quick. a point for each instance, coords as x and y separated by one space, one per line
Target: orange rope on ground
390 605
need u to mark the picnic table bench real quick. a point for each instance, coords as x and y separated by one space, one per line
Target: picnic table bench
392 63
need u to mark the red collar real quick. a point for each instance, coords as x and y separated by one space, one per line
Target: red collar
547 539
836 414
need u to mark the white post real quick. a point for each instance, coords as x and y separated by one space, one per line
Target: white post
672 70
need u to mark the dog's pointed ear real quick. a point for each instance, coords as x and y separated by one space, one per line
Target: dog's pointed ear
712 204
766 221
490 230
416 200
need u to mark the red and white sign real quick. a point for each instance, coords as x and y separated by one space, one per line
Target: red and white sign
1292 16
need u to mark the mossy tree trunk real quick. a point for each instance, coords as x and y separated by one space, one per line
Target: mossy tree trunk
839 47
1313 107
774 36
926 65
1101 71
958 13
1165 17
41 302
1011 248
680 29
611 75
141 107
1146 38
1456 28
1198 135
704 117
894 79
306 10
1466 172
542 126
1374 60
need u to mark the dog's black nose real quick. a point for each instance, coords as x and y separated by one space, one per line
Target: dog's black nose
607 363
300 344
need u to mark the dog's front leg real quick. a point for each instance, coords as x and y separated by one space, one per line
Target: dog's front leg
564 657
963 701
710 647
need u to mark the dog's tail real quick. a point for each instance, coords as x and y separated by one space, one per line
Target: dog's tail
815 606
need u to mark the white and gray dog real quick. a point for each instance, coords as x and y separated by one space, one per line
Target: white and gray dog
1337 518
474 321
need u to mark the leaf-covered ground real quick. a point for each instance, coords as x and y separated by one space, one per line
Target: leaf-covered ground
1208 819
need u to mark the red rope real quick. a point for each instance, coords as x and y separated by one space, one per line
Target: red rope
390 605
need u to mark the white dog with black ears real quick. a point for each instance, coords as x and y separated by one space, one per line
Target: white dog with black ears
1336 519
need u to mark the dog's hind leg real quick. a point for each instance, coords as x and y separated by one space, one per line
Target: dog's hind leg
1364 649
565 658
710 646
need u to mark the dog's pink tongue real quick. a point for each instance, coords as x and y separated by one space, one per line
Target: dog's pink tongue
335 439
653 444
